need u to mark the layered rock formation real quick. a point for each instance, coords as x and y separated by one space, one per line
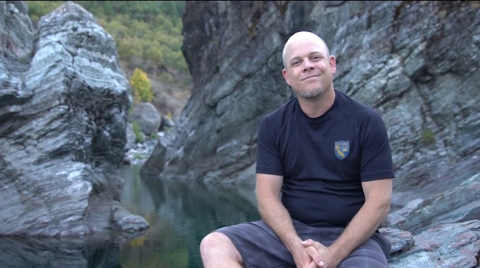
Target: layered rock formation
417 63
63 110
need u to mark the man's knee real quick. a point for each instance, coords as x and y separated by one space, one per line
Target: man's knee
217 247
215 242
210 242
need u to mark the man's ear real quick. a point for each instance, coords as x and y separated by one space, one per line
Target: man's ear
285 76
333 64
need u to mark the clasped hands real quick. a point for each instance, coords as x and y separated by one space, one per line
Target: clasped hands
315 255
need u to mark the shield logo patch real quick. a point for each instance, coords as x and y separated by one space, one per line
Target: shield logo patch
342 149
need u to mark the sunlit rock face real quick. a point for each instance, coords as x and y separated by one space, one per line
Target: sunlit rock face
416 63
63 108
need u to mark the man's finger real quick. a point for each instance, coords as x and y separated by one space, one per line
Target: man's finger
308 242
315 255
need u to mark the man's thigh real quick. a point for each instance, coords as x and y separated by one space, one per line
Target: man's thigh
258 245
369 254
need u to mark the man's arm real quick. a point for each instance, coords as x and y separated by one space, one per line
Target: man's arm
378 195
275 215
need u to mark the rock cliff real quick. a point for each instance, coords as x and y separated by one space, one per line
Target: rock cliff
416 62
63 107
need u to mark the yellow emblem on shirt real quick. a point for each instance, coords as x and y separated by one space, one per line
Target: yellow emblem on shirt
342 149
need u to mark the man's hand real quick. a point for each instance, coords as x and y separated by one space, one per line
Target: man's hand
302 255
321 255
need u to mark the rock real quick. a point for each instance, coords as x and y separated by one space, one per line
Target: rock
147 117
417 80
165 124
458 204
63 115
130 137
128 222
401 240
443 245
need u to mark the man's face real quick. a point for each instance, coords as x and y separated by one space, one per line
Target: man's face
309 68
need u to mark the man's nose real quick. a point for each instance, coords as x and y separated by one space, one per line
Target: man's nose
307 65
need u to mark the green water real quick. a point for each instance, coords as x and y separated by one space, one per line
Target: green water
180 214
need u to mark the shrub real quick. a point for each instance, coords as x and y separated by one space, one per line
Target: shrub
154 136
139 138
428 137
142 89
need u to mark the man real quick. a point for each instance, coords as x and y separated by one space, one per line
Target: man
324 177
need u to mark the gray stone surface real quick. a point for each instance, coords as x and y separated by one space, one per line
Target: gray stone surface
442 245
406 59
63 110
147 117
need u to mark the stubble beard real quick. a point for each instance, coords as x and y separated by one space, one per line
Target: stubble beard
312 94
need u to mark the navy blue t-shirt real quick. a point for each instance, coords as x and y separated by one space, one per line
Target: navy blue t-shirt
323 160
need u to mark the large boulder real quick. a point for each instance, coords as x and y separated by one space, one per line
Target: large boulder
63 113
147 117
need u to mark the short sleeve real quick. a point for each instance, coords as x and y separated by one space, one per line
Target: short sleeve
268 153
376 156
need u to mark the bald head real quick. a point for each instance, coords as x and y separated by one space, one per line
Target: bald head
299 38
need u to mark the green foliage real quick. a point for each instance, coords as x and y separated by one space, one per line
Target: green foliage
140 156
166 77
36 9
428 137
139 138
154 136
148 30
142 89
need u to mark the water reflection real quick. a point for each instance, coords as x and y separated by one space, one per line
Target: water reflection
179 214
99 251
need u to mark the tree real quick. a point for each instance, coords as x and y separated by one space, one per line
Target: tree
142 89
144 31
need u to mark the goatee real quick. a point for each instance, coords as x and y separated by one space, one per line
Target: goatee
311 94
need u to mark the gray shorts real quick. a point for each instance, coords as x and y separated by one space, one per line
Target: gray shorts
260 246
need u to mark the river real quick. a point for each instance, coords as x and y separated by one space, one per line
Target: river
180 214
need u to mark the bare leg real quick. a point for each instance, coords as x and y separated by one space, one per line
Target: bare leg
218 251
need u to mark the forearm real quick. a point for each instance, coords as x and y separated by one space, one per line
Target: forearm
273 212
360 228
277 217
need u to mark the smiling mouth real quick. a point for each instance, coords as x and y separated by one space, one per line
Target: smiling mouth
312 76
